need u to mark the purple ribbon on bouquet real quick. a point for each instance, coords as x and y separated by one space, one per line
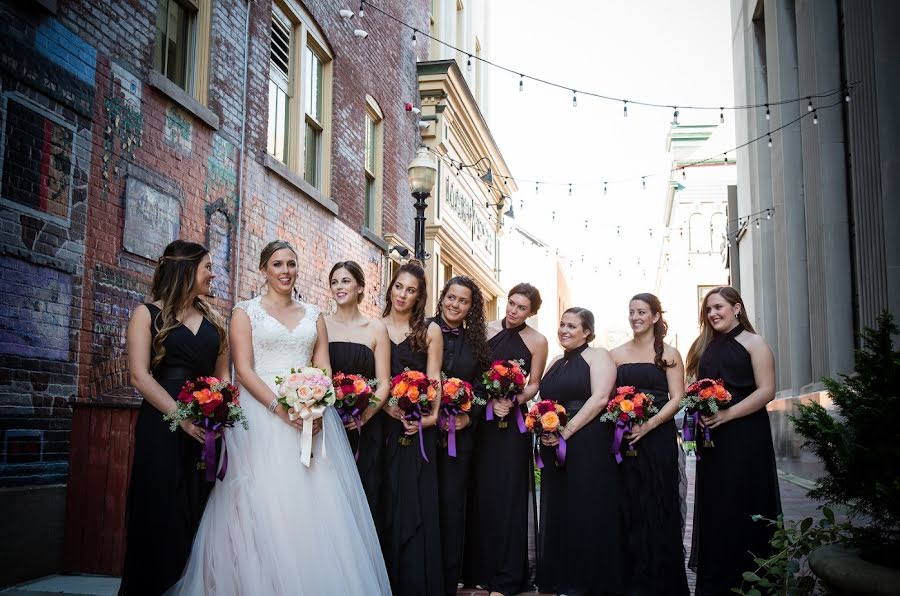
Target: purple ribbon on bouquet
689 428
353 413
449 412
520 420
622 427
416 414
560 451
209 448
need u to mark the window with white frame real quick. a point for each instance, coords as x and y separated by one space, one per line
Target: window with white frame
299 95
373 166
181 51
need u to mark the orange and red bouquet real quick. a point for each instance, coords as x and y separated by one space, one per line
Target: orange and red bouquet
456 399
353 394
547 418
414 393
625 409
212 404
505 379
703 398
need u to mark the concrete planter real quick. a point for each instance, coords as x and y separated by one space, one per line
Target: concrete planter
845 573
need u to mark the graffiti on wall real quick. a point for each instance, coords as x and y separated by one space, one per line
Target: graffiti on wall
177 130
35 307
37 159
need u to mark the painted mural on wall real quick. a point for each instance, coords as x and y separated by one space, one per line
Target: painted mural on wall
152 220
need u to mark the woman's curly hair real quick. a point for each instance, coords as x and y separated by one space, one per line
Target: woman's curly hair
476 332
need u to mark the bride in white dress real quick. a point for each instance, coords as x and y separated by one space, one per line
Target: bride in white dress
274 526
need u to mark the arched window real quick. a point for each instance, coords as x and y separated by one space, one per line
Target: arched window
698 234
717 231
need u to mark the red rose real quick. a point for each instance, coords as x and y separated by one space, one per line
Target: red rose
405 403
544 407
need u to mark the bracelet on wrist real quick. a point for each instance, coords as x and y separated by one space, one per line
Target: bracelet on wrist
273 405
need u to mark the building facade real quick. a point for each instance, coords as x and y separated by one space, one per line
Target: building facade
691 259
465 216
127 124
830 263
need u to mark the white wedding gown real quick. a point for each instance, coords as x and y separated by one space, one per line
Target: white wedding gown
274 526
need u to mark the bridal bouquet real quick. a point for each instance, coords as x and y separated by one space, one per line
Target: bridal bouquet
305 393
547 418
353 394
625 409
505 380
413 393
456 399
704 397
213 404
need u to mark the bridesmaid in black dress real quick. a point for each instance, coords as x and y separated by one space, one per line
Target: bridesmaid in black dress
177 337
461 320
409 493
652 519
359 345
737 477
581 540
496 555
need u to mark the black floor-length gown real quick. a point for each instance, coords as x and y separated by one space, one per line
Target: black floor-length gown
167 492
652 504
358 359
409 498
736 478
581 541
454 473
496 555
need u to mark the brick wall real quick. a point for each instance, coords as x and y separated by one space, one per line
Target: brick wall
98 169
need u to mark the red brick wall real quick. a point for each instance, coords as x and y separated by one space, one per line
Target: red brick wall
69 284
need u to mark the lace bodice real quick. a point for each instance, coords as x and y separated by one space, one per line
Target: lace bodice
275 347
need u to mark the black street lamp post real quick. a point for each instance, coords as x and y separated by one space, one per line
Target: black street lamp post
422 174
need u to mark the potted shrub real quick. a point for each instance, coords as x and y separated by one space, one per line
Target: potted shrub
860 450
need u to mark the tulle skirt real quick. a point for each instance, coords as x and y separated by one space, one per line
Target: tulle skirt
274 526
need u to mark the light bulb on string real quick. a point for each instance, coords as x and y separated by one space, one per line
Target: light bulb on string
625 108
618 230
521 83
684 173
768 214
553 216
768 114
722 115
574 99
815 117
651 235
414 40
757 223
362 12
585 225
536 187
770 141
675 117
809 106
644 182
469 63
847 96
570 189
604 188
726 157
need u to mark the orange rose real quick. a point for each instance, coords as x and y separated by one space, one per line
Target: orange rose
550 422
466 406
529 422
400 389
707 392
451 387
559 408
413 393
627 405
359 386
721 392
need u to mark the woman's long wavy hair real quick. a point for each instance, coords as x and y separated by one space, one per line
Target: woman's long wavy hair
476 330
417 326
172 286
707 333
660 328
